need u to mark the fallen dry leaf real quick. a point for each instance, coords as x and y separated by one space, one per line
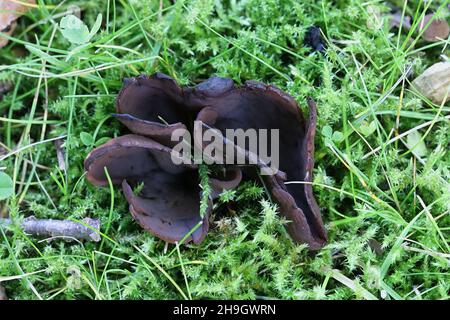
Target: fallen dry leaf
10 11
434 83
395 21
437 30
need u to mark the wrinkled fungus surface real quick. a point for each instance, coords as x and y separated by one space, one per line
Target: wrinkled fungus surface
168 203
259 106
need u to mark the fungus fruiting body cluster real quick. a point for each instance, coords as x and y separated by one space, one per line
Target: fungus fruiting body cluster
168 203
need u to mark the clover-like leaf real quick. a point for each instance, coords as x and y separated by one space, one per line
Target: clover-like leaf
327 132
415 143
73 29
87 139
96 26
6 186
76 31
102 140
368 128
337 136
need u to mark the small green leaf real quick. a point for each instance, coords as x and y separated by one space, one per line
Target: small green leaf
6 186
327 132
87 139
337 136
95 27
74 30
415 144
368 128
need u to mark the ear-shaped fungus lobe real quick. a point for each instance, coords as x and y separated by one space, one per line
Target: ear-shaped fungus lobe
297 200
152 98
168 204
159 132
229 179
153 107
259 106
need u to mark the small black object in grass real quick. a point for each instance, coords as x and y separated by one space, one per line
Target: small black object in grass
313 39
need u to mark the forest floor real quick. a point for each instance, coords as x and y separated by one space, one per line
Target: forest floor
381 174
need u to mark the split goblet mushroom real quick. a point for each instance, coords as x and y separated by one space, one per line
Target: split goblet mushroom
145 102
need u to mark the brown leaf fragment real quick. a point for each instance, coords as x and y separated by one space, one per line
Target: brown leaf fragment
10 11
395 21
437 30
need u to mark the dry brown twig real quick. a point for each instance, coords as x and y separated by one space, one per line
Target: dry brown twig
87 229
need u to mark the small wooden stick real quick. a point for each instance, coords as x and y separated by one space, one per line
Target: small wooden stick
60 228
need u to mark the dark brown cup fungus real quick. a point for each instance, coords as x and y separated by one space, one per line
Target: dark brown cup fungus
152 107
259 106
168 204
